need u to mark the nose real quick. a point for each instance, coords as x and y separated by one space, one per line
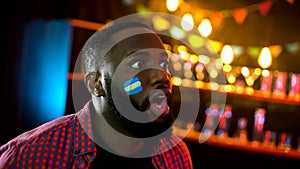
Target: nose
158 77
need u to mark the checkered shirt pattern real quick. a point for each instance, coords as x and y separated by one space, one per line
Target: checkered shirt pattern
63 143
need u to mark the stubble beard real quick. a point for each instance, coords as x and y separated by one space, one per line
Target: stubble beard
131 128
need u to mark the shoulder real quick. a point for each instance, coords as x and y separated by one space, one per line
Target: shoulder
65 125
47 128
181 153
175 154
174 143
35 141
179 145
56 125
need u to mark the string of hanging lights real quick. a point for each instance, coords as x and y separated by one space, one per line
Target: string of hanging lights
241 78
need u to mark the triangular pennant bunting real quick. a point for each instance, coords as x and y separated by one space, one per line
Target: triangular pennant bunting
216 18
275 50
292 47
240 15
265 7
237 50
216 45
253 51
291 2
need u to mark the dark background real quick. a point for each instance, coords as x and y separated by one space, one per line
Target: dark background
280 26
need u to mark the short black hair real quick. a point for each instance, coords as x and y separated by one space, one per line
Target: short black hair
95 50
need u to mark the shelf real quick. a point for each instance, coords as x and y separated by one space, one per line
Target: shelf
75 76
253 95
231 143
258 95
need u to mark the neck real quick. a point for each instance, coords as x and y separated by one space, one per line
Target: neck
109 138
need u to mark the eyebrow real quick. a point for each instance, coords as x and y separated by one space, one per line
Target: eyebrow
164 54
138 52
145 53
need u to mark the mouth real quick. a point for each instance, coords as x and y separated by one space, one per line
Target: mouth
158 99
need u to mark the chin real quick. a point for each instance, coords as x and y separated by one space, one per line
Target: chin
160 126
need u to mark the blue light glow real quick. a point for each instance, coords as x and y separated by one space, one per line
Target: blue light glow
45 64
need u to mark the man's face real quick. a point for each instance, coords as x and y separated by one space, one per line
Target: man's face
141 85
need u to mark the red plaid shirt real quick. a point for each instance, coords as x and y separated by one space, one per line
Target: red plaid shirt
63 143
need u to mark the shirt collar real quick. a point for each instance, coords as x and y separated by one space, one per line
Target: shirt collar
83 138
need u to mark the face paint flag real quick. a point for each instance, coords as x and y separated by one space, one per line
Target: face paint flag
132 86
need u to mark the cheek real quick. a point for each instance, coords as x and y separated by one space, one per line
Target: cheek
133 86
140 101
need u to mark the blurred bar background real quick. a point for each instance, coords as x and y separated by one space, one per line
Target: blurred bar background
258 42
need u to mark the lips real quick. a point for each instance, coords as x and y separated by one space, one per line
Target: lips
158 99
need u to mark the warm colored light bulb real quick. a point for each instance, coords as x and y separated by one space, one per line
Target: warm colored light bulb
187 22
227 54
245 71
172 5
160 23
257 71
204 59
205 27
227 68
265 58
177 32
265 73
231 79
177 81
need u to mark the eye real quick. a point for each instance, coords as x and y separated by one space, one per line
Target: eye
164 64
137 64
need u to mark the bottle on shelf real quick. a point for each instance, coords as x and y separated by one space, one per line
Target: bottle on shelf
269 139
280 84
241 134
285 142
212 120
225 117
259 120
266 82
298 145
294 84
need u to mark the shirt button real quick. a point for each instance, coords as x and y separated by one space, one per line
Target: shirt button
77 151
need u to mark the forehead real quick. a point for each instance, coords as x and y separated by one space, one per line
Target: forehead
129 32
137 37
139 42
142 41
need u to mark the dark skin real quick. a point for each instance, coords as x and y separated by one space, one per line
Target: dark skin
148 61
141 56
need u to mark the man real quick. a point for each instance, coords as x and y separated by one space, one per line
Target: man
127 123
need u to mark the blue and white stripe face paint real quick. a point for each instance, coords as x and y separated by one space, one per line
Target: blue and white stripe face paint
133 86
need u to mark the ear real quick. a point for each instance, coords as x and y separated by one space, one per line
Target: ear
94 85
